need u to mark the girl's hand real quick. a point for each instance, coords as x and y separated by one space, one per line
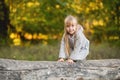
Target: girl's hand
70 61
61 60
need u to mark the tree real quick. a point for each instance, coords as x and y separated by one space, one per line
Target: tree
4 21
99 18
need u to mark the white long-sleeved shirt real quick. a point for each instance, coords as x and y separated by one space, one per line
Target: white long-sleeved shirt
80 50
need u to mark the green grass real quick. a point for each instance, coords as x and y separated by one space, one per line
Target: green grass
104 51
34 52
50 52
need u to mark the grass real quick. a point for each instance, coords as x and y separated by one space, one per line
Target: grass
50 52
34 52
104 51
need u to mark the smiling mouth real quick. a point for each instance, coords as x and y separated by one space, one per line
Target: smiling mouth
71 32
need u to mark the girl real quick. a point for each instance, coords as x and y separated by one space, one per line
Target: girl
74 44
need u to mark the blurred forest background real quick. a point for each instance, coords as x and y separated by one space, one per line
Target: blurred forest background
32 29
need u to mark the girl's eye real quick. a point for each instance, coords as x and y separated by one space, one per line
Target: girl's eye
68 25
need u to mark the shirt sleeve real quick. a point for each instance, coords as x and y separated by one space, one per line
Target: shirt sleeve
62 49
81 48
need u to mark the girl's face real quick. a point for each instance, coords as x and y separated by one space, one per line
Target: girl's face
71 28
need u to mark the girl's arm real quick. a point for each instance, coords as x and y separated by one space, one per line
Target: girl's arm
62 49
81 48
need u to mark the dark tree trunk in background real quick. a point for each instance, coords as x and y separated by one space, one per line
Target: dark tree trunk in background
4 21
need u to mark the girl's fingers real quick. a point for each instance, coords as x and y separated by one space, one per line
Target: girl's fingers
61 60
70 61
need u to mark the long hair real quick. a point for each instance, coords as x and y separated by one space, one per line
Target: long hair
69 20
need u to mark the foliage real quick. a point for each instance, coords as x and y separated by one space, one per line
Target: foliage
41 20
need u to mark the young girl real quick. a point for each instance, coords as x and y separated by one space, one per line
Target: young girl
74 44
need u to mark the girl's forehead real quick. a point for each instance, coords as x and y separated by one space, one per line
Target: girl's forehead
70 22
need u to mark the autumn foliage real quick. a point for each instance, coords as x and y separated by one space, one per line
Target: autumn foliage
33 20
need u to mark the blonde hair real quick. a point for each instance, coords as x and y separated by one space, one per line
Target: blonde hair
68 21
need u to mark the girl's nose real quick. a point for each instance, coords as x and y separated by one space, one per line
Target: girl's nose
70 27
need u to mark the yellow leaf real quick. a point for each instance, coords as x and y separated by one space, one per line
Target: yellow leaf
87 10
35 36
54 36
95 22
106 18
19 29
48 8
42 36
37 3
14 10
17 41
92 4
101 22
30 4
101 5
57 6
24 18
28 36
13 35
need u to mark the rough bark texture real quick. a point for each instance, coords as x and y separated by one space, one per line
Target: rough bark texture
107 69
